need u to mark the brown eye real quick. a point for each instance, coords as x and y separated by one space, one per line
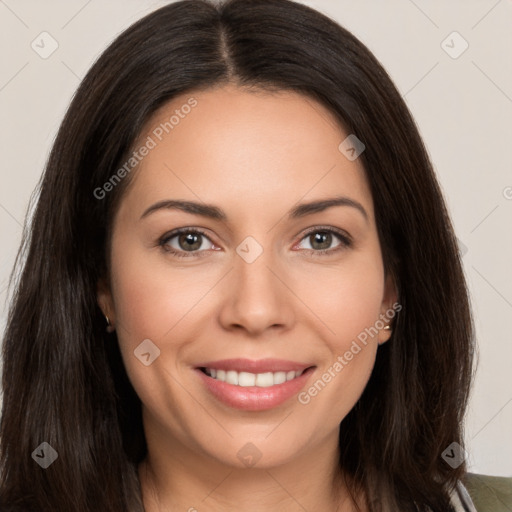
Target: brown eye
181 242
190 241
321 240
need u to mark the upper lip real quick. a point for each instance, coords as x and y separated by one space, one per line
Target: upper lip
259 366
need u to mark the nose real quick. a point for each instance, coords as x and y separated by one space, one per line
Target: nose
257 297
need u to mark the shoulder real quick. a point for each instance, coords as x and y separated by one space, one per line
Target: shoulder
489 493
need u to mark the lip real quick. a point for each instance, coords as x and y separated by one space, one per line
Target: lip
253 398
259 366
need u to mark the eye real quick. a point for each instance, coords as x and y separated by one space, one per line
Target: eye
185 240
320 240
193 242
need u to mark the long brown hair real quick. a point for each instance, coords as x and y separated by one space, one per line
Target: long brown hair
63 379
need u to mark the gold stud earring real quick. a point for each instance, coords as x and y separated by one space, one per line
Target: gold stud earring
110 328
385 328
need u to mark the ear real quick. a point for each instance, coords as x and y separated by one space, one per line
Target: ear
104 299
389 309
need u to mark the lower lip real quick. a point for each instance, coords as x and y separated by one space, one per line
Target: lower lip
253 398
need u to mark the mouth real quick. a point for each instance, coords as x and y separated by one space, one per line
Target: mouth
248 379
254 385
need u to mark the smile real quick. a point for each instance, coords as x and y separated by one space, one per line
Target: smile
246 379
253 385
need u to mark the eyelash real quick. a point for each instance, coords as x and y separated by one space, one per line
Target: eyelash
344 238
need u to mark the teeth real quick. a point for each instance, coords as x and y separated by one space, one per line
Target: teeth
264 380
246 379
232 377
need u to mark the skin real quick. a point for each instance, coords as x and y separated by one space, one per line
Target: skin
255 155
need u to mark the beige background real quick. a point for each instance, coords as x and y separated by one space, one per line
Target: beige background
462 106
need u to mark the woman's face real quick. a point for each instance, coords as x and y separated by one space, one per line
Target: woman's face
248 292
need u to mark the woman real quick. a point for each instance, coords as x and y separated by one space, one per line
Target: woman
241 286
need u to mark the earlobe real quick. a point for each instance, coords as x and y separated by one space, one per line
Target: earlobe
389 310
104 299
385 334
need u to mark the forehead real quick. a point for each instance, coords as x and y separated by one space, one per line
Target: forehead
232 145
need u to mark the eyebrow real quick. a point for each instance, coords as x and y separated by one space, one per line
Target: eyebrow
213 212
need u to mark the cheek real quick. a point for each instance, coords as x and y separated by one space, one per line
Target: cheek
156 302
346 298
150 298
150 304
